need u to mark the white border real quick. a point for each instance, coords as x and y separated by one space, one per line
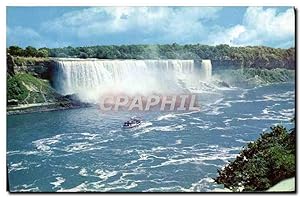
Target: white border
5 3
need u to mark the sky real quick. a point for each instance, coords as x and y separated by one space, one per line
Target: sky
87 26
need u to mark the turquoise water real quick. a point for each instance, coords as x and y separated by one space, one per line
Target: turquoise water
87 150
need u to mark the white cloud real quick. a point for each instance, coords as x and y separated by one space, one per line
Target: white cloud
125 25
259 27
182 23
269 24
226 36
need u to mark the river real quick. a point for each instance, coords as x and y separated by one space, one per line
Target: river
88 150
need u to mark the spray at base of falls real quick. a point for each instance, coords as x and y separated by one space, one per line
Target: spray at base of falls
92 78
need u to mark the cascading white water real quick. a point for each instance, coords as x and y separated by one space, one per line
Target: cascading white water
91 78
207 69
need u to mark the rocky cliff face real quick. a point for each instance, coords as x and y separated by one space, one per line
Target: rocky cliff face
38 67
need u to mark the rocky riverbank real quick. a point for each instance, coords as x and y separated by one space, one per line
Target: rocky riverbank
43 107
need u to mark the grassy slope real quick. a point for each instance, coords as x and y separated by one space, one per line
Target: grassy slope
28 89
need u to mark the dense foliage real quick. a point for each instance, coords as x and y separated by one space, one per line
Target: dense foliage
28 51
29 89
166 51
16 89
254 76
262 163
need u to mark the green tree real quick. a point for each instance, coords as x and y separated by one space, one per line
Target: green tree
30 51
83 55
263 163
42 53
15 51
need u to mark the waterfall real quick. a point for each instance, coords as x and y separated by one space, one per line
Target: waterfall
207 69
91 78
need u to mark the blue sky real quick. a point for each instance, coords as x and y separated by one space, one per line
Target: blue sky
84 26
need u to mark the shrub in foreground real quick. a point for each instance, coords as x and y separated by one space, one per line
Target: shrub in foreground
263 163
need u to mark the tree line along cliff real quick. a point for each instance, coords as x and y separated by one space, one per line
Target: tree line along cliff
222 56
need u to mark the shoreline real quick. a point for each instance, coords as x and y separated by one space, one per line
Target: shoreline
42 107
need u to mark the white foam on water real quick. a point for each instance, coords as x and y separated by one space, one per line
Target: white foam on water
168 128
71 167
58 182
105 174
203 185
17 152
78 146
83 172
97 186
33 189
79 188
243 94
180 156
78 142
178 141
45 144
226 136
16 167
219 128
165 189
156 158
287 96
243 141
166 117
287 112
